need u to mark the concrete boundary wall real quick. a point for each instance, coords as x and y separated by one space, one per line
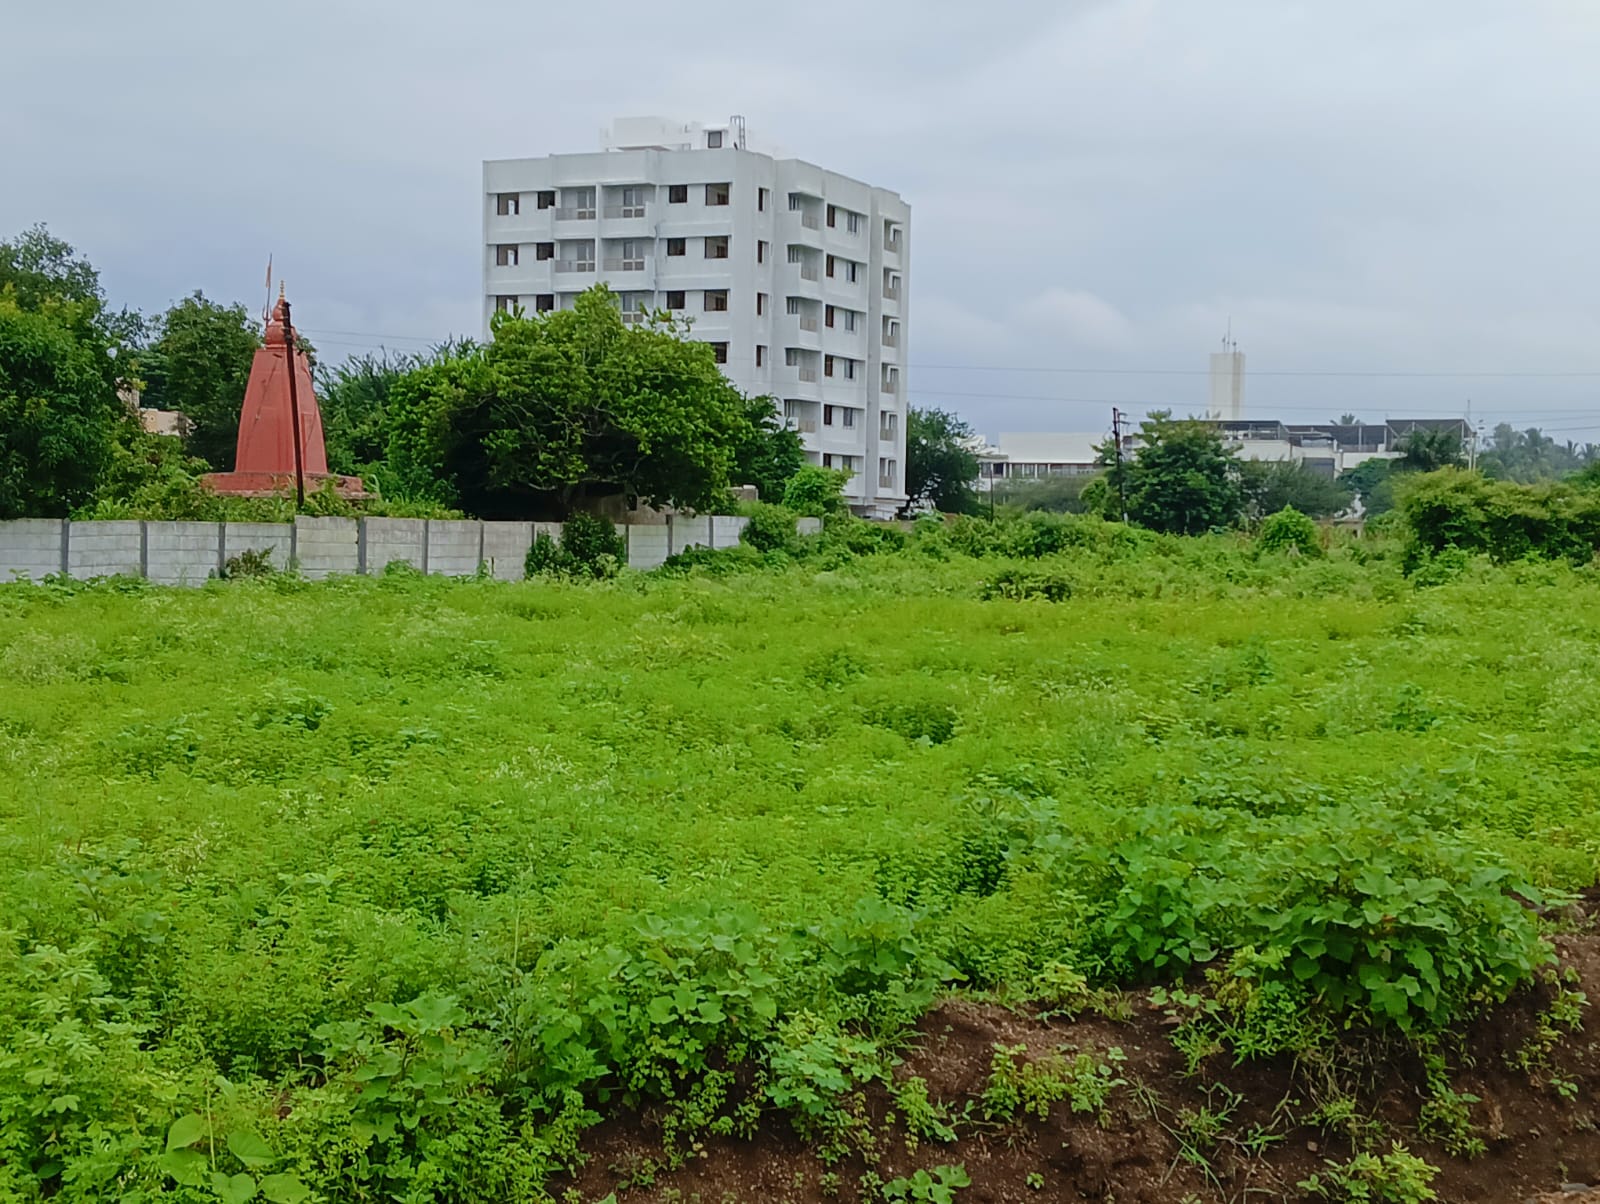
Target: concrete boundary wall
191 553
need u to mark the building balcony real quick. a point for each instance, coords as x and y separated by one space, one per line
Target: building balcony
615 212
805 426
891 292
569 267
574 215
625 265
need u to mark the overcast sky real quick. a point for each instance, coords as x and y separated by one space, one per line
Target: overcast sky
1395 203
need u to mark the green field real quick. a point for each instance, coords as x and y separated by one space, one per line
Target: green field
400 883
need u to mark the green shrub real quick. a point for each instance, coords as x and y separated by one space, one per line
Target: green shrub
590 546
1021 584
770 529
1289 531
816 492
1397 1177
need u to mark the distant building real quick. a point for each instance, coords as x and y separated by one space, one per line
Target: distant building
1330 448
1227 385
1031 455
796 276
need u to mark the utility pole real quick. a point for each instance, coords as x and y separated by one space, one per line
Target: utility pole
294 411
1116 439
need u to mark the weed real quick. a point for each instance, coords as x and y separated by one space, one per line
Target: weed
1393 1178
1017 1083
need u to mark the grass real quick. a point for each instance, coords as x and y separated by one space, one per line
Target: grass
243 816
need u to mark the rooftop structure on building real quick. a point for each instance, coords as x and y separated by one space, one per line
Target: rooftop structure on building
795 275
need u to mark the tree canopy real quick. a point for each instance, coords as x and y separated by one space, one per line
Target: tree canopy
564 407
1181 479
1272 485
941 465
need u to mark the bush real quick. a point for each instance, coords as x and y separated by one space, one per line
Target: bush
1289 531
590 546
1021 584
1454 508
770 529
816 492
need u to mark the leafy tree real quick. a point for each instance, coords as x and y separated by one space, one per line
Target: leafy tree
565 407
1530 455
60 415
1288 530
1270 486
816 492
1373 482
1182 479
1345 419
199 364
1062 494
1427 450
941 465
37 268
355 399
770 454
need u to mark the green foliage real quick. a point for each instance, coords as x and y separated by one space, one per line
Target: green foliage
1372 481
1031 1086
814 492
924 1118
1426 450
1531 455
941 465
1463 511
1397 1177
1020 584
355 398
590 546
1274 485
938 1186
1289 531
199 364
768 453
1181 479
770 529
564 406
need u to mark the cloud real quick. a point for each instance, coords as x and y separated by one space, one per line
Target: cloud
1077 318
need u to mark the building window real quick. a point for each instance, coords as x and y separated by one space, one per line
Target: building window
852 223
716 301
761 305
850 317
827 365
849 369
827 317
793 307
547 198
833 217
717 194
716 246
761 252
719 352
761 356
544 250
886 469
827 415
505 304
677 246
762 194
830 267
508 204
577 205
505 255
796 254
675 299
796 202
852 271
886 425
847 418
677 194
713 139
791 357
544 302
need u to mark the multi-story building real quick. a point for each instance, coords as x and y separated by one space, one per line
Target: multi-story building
795 275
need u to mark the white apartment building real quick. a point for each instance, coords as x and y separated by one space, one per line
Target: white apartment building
796 276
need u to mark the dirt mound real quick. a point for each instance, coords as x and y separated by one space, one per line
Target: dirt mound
1161 1135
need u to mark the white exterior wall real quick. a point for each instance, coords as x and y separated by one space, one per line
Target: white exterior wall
874 438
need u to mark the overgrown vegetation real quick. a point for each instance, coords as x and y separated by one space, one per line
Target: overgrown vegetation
397 885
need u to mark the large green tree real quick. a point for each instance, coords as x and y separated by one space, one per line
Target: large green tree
769 454
60 363
1373 482
1181 478
355 398
1530 455
1269 486
941 463
562 408
1423 450
199 364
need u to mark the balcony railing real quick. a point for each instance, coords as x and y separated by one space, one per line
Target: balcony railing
886 432
809 324
624 265
885 480
806 374
575 215
889 386
806 426
809 273
575 265
810 221
892 244
623 211
891 340
891 292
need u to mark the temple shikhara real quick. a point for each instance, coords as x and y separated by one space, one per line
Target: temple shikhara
266 463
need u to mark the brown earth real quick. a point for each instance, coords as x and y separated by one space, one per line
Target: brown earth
1538 1139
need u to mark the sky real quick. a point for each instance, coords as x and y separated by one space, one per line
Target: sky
1391 205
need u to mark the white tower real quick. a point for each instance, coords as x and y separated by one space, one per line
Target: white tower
1227 383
